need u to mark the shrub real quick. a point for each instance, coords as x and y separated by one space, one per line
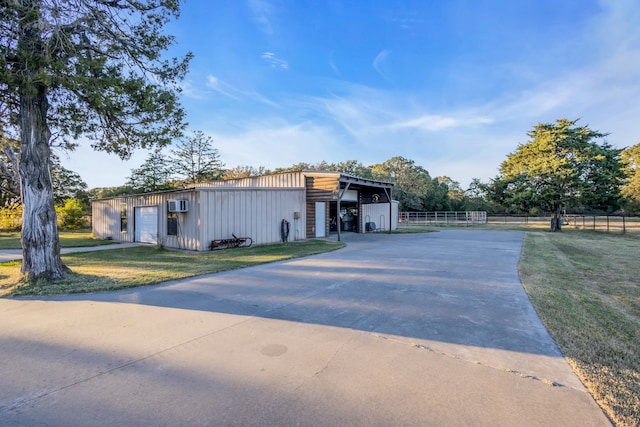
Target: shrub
71 215
11 217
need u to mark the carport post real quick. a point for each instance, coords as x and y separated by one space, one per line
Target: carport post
340 194
388 193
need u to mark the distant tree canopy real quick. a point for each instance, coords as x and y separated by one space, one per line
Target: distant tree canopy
244 172
563 166
631 189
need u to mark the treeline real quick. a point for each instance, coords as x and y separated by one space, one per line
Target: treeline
563 167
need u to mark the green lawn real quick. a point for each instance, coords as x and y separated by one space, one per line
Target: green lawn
145 265
585 287
68 239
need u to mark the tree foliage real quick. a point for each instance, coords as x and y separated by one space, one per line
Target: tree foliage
412 182
244 171
155 174
9 173
631 189
71 214
563 166
66 183
82 67
196 160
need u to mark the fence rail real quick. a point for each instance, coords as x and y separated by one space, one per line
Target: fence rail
608 223
442 218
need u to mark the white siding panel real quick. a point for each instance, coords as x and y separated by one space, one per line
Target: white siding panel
379 214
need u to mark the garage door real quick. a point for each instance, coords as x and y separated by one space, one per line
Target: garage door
146 224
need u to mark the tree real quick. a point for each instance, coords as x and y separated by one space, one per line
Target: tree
71 214
299 167
455 193
103 192
197 160
66 183
154 174
412 182
631 189
9 173
244 172
562 166
351 167
82 67
476 197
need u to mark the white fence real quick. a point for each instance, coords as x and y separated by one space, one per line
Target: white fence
442 218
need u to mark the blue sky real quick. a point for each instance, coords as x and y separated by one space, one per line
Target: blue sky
454 85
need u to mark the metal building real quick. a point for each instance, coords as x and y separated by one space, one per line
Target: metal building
309 203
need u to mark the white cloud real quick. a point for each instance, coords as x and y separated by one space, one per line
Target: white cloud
379 61
235 93
274 61
222 87
189 91
263 13
434 122
273 142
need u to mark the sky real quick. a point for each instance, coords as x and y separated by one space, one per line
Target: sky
454 85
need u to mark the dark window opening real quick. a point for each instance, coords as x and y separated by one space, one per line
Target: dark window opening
172 224
123 218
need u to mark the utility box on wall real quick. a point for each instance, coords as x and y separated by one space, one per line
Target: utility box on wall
296 215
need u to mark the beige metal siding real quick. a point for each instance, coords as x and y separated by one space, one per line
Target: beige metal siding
254 213
285 180
106 218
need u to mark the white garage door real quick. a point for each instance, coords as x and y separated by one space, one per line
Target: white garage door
146 224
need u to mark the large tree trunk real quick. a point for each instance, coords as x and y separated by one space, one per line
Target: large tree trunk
556 219
40 242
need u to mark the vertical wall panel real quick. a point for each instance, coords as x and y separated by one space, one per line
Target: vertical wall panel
252 213
379 214
106 219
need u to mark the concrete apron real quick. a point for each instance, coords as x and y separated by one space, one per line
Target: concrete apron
425 329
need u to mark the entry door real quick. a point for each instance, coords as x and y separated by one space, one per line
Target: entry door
146 224
321 219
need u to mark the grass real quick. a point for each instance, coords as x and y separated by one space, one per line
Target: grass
585 287
68 239
145 265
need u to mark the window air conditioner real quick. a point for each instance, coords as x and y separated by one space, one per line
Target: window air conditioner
178 206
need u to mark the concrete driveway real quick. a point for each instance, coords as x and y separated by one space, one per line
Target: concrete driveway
415 330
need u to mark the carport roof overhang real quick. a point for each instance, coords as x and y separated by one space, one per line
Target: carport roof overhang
356 182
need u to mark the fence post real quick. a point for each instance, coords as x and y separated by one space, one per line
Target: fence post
607 223
624 226
594 222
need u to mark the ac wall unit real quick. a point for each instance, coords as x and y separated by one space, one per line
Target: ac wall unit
178 206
